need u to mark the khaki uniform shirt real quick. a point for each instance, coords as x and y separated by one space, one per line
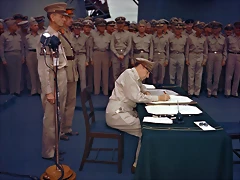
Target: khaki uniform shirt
121 43
177 44
10 42
161 45
217 45
197 45
43 69
101 42
233 43
32 41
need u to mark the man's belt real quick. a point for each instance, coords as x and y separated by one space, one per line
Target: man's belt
196 52
70 58
101 50
233 52
32 50
176 52
215 52
138 51
78 53
157 52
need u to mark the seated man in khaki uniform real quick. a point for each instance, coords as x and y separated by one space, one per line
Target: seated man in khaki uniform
129 91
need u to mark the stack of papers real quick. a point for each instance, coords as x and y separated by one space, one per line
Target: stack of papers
203 127
158 92
172 110
148 86
160 120
174 100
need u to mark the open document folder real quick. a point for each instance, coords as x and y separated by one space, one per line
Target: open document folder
174 100
172 110
148 86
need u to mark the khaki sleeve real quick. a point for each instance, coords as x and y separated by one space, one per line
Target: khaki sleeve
2 43
129 45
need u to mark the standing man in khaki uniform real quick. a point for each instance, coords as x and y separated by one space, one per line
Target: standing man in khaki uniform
142 45
121 45
100 57
233 62
3 72
196 57
12 55
177 48
189 27
55 13
160 53
217 54
81 47
72 76
31 59
40 21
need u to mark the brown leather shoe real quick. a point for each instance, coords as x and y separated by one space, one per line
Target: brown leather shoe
133 169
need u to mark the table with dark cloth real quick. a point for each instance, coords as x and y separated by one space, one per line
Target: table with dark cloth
183 151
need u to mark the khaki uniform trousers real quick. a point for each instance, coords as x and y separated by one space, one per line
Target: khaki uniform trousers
81 66
32 65
195 70
48 137
119 65
176 67
214 68
3 78
159 68
70 105
232 71
101 71
127 122
14 70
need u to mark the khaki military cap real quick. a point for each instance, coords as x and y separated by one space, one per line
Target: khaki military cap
228 27
56 8
25 18
146 63
163 21
120 19
127 23
70 11
89 18
153 22
142 22
236 24
133 26
77 25
32 21
39 19
17 16
100 22
173 20
1 20
87 23
208 25
199 25
148 25
9 21
189 21
111 23
178 25
216 25
23 24
80 19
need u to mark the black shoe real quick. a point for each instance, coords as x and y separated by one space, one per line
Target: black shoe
197 96
190 96
208 96
215 96
227 96
64 137
72 133
234 96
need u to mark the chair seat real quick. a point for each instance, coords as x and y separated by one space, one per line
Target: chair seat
101 126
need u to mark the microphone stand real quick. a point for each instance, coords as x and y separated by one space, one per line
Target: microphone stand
57 171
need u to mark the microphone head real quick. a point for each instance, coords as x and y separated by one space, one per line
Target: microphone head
54 43
45 39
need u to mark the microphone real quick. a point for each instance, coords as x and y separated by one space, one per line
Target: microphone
45 39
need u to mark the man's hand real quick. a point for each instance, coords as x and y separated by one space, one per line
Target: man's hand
147 93
165 63
4 62
50 97
223 63
23 60
187 62
203 63
164 97
121 57
86 63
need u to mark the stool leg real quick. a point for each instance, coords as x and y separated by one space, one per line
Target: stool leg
120 155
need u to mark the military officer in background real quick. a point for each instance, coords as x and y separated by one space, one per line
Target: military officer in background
101 59
126 26
3 72
120 46
233 62
128 91
196 57
40 20
217 54
55 13
110 27
18 18
160 53
189 27
82 47
12 55
177 48
142 45
31 56
228 30
72 75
